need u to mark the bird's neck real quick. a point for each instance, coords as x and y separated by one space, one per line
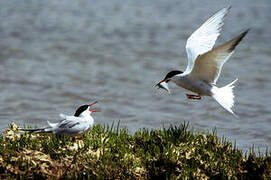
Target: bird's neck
180 80
87 117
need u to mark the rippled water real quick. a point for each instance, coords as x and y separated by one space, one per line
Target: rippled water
57 55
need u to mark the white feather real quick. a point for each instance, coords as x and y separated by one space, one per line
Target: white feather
51 124
224 96
204 38
62 116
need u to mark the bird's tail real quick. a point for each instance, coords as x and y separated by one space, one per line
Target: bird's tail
224 96
48 129
38 130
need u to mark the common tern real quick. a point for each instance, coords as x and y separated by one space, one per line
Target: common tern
204 63
77 124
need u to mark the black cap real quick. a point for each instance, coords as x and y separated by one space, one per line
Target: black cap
80 110
172 73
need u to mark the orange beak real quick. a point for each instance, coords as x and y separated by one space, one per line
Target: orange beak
93 110
93 103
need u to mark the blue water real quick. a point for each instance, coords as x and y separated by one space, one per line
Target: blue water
57 55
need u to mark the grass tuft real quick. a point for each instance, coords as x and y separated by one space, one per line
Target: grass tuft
109 152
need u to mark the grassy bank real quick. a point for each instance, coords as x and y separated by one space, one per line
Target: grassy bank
108 152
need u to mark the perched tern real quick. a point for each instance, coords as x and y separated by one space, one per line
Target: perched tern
205 63
79 123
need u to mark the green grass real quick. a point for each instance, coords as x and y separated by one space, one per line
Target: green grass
107 152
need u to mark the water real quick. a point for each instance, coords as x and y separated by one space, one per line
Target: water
57 55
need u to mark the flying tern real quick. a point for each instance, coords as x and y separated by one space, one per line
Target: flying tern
77 124
204 63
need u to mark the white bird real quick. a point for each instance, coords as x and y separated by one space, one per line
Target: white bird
204 63
77 124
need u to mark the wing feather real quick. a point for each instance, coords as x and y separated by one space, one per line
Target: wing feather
208 66
204 38
66 124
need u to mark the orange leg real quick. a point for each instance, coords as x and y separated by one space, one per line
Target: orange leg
192 96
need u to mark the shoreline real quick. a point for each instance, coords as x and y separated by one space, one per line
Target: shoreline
110 152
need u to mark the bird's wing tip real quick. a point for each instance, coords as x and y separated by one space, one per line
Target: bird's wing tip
228 7
246 31
235 115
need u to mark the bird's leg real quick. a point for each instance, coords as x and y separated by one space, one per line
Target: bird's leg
192 96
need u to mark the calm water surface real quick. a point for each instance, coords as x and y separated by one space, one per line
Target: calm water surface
57 55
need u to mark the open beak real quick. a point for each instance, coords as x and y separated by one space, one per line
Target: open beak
93 103
93 110
163 84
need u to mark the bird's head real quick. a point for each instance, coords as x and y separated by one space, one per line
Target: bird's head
85 109
164 83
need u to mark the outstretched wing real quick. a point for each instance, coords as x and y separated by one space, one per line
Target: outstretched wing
208 66
204 38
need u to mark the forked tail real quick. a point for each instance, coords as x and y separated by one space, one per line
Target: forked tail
41 130
224 96
38 130
48 129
